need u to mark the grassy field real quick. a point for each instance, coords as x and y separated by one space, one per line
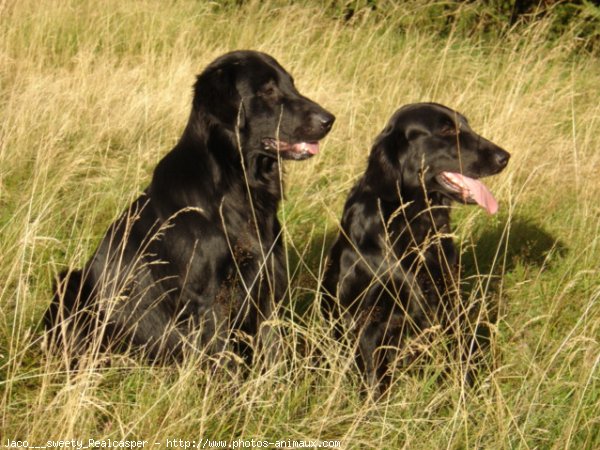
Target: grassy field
93 94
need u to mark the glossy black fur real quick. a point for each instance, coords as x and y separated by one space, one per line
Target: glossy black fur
391 272
198 256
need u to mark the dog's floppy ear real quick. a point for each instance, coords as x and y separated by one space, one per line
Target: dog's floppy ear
390 161
216 95
386 160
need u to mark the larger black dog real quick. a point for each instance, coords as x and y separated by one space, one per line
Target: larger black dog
391 272
199 253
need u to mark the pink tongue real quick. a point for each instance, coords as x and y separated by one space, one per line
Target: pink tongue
310 147
476 190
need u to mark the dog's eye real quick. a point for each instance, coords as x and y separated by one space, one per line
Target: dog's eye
449 130
267 91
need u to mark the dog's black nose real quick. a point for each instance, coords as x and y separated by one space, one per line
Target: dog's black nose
501 157
326 120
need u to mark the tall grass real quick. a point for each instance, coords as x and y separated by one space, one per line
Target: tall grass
92 94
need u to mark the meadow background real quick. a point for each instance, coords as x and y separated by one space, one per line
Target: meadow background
93 94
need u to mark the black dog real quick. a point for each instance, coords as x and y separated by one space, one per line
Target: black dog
199 254
391 272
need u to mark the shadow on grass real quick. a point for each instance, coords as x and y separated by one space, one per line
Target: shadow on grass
497 251
500 248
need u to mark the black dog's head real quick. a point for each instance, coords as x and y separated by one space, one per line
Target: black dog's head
430 146
251 96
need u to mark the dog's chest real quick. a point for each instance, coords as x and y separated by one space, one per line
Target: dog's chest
425 248
246 247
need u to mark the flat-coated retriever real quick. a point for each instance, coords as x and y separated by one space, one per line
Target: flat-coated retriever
391 273
199 254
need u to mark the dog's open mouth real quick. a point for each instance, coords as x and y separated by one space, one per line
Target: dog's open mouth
298 150
470 189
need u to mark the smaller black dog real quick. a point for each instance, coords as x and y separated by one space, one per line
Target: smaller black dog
392 271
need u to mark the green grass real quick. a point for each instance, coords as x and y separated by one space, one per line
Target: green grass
93 94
